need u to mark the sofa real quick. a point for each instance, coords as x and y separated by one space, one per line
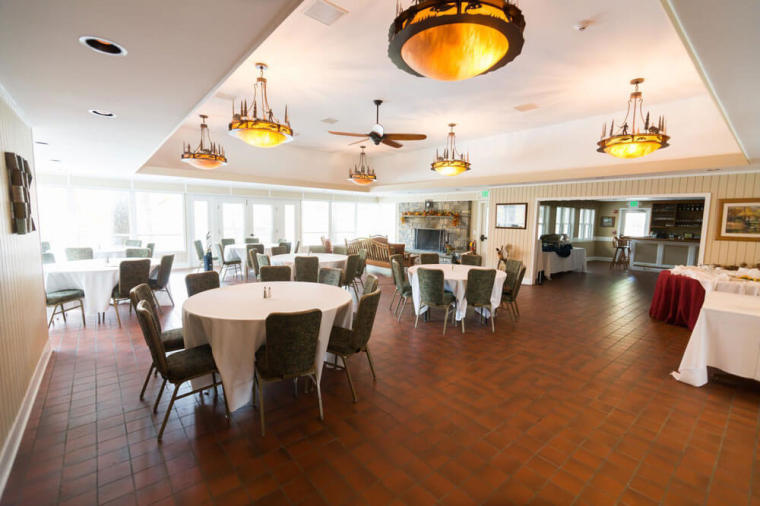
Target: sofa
379 250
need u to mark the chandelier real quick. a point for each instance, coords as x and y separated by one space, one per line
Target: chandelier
207 155
633 141
265 131
450 163
452 40
362 174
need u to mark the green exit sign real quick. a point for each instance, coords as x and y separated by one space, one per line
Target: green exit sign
633 203
484 193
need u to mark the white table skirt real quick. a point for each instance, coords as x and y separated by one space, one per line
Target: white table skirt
96 277
551 263
726 336
325 260
238 252
455 279
232 320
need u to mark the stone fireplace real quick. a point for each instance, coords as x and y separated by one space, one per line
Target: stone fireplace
431 227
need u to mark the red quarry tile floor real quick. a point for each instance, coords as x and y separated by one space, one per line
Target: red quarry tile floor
572 404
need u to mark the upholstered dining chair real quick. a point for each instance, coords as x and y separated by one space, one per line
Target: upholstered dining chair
251 240
340 250
348 280
262 260
510 298
151 248
253 265
403 287
137 253
285 244
344 342
131 274
316 249
512 269
429 258
200 252
133 242
307 269
370 285
478 292
432 294
48 258
471 259
198 282
172 339
79 254
362 267
289 353
160 283
271 273
298 245
179 367
280 250
227 264
59 298
330 276
44 246
224 242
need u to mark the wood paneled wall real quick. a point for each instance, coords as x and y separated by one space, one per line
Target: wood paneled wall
522 242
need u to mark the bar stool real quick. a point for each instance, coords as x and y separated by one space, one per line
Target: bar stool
622 255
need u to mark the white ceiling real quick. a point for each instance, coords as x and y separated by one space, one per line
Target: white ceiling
178 51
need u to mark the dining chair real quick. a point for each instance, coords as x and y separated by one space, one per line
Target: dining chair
478 292
370 285
251 250
226 241
298 245
226 264
307 269
262 260
432 294
59 298
512 269
198 282
201 253
179 367
251 240
289 353
403 287
137 253
471 259
270 273
429 258
79 254
340 250
362 267
344 342
330 276
286 245
510 297
131 274
316 249
348 280
151 248
133 242
48 258
279 250
172 339
44 246
160 283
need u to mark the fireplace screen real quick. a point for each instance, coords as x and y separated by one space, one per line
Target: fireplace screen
429 239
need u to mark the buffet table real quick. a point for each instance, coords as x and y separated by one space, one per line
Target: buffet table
551 263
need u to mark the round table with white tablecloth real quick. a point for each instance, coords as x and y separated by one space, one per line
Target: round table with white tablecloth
95 277
325 260
455 280
240 252
232 320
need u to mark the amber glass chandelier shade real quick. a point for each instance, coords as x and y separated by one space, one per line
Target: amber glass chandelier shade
261 134
361 181
204 163
208 155
450 167
633 146
450 162
362 174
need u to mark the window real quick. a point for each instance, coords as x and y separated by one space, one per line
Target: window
262 222
565 221
55 225
290 222
315 221
586 224
543 219
232 221
634 223
160 218
200 221
344 221
98 217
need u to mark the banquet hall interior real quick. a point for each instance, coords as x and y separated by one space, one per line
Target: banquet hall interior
379 252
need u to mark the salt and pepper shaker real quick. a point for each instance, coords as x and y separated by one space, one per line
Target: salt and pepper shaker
269 292
265 292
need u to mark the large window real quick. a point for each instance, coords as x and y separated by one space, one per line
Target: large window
634 222
200 221
586 224
543 219
290 222
343 221
315 221
97 218
565 220
233 222
262 222
160 219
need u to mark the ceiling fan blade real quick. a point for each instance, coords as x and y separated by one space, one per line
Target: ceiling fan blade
359 141
391 143
406 137
349 134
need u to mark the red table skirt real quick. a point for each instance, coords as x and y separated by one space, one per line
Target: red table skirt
677 299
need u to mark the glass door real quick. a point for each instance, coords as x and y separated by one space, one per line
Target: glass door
262 222
232 219
200 223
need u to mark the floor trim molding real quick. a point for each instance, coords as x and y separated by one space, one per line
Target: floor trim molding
13 441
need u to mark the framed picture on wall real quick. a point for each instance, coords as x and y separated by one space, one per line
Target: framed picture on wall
511 215
739 219
607 221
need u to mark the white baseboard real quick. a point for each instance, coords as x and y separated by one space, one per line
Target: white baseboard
599 259
13 440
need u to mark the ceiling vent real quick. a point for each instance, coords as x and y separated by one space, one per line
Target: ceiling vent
325 12
526 107
329 121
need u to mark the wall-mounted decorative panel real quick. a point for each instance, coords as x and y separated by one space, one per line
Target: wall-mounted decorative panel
19 182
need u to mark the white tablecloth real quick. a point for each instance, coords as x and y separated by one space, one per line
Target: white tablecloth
721 280
550 262
325 260
238 251
96 277
455 279
726 336
232 320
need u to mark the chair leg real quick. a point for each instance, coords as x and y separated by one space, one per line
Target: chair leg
493 328
348 375
158 398
171 299
416 319
261 407
445 320
295 387
463 318
319 399
52 315
168 412
145 385
393 299
401 312
371 365
81 308
213 380
517 308
155 301
116 308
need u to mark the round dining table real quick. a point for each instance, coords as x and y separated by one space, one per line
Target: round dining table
325 260
455 280
232 320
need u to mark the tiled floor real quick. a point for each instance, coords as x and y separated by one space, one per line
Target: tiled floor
572 404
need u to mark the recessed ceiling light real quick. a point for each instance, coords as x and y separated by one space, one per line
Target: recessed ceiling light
325 12
329 121
43 143
55 160
103 46
526 107
583 24
102 114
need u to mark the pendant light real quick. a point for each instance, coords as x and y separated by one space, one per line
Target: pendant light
207 155
450 163
362 174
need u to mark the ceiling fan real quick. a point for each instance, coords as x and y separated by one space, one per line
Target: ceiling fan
378 135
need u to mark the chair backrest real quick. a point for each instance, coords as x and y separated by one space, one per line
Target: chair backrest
429 258
131 274
152 334
143 292
275 273
226 241
151 248
48 258
480 286
327 243
364 320
470 259
518 283
431 286
286 245
397 269
79 254
340 250
279 250
262 260
330 276
220 251
251 240
198 282
370 284
133 242
164 271
349 271
291 346
45 246
137 253
307 269
298 245
362 262
251 249
512 268
199 249
316 249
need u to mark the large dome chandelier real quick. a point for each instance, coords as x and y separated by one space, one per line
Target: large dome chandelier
265 131
452 40
631 140
450 163
362 174
207 155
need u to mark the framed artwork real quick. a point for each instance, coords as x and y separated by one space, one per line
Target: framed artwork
739 219
511 215
607 221
20 181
